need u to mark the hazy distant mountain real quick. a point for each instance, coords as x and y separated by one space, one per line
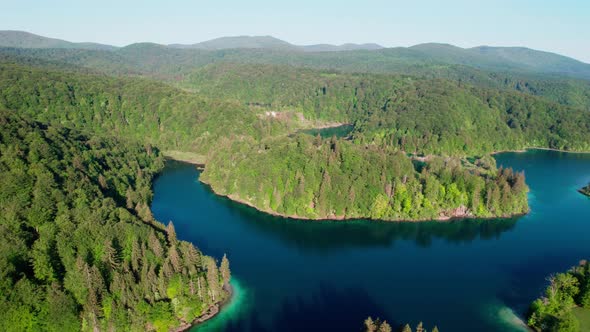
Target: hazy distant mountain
22 39
177 58
339 48
504 58
269 42
240 42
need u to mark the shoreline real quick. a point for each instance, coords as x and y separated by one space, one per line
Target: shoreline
209 314
239 200
537 148
328 125
186 157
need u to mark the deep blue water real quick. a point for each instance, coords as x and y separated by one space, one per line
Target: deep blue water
469 275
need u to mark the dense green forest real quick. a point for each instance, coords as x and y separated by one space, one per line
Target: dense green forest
245 133
569 92
133 108
551 76
428 116
566 302
415 115
311 177
79 249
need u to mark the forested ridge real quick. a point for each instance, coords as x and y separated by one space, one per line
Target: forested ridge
79 249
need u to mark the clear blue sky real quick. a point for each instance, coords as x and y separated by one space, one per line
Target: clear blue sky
561 26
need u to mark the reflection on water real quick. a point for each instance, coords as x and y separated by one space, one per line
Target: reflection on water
334 235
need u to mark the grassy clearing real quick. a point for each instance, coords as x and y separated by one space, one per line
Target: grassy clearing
188 157
583 315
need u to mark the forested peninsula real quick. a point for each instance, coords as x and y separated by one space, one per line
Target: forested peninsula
79 248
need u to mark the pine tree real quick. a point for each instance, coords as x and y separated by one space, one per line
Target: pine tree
370 325
407 328
171 232
135 256
154 244
420 327
384 327
212 278
174 258
435 329
225 272
102 181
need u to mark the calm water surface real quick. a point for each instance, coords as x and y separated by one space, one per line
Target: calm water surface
467 275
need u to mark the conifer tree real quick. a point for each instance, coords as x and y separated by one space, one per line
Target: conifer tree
171 232
225 271
370 325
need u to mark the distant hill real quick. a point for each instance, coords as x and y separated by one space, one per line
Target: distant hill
339 48
269 42
504 58
239 42
22 39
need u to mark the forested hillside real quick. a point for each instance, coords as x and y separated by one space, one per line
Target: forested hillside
416 115
129 108
79 249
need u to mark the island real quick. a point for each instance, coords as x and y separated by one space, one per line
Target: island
585 190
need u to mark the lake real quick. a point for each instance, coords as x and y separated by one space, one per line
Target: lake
477 275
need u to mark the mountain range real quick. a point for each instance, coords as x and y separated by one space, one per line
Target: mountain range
145 57
22 39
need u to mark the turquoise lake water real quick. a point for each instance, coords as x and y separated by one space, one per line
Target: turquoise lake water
470 275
